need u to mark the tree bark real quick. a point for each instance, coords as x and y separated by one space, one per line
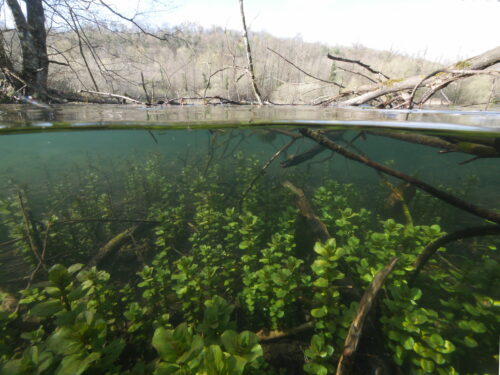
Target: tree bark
33 39
249 56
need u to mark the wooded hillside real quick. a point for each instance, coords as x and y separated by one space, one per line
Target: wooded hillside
200 63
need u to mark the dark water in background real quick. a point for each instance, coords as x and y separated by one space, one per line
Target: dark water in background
42 147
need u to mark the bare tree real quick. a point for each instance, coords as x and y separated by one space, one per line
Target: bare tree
249 55
33 40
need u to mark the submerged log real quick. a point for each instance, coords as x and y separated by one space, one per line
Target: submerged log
113 245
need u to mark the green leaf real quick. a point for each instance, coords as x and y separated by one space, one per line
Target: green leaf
447 348
470 342
215 361
427 365
415 294
408 343
75 268
315 369
435 341
321 282
320 249
74 365
47 309
319 313
162 342
477 327
59 275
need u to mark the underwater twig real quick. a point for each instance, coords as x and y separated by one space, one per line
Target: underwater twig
277 335
440 194
318 227
10 242
263 169
356 329
153 136
31 230
42 257
105 220
431 248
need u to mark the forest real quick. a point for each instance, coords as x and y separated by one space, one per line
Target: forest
84 50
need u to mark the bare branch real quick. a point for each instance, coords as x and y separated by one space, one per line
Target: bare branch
303 71
366 66
111 95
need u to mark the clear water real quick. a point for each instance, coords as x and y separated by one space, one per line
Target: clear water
73 178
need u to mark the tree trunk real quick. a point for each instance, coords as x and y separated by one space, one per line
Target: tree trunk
33 39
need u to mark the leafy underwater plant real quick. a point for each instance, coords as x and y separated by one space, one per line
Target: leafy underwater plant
208 272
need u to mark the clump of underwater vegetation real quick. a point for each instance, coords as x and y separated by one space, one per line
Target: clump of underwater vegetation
151 268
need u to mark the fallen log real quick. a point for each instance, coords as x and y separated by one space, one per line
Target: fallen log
434 82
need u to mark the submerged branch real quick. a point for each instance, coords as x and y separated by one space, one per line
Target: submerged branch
433 247
440 194
265 336
113 245
356 329
317 226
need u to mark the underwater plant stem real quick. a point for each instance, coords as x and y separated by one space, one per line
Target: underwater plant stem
440 194
431 248
355 332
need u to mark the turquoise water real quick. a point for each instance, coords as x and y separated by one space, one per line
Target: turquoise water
204 183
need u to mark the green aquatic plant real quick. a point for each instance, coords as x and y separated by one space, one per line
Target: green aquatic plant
210 276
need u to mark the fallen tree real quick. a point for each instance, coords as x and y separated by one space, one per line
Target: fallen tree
400 93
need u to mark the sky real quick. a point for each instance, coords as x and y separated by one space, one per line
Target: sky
440 30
